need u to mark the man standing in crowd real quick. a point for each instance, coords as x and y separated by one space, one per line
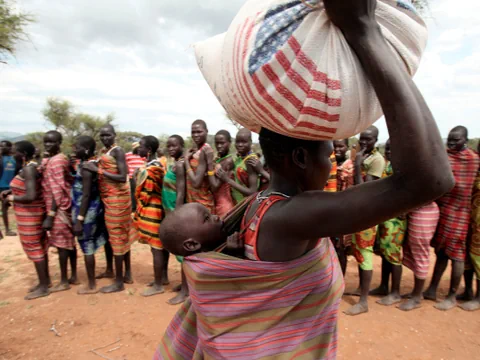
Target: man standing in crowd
450 241
8 170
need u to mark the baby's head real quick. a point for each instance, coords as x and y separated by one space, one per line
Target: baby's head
191 229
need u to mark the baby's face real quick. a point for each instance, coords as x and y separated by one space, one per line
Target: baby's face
202 226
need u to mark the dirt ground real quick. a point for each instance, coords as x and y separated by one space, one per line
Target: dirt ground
137 323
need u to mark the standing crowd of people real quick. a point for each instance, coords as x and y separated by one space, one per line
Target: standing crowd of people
263 244
111 199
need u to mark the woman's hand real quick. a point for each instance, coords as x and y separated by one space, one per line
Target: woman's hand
360 158
222 175
256 164
48 223
353 17
4 194
190 154
78 228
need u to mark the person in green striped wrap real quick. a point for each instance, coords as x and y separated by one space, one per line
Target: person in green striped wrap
173 196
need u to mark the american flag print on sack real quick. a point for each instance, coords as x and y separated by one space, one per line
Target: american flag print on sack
284 66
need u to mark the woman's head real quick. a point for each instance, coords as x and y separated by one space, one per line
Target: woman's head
199 132
457 138
175 146
24 150
5 148
107 135
52 141
341 148
368 139
191 229
84 147
148 146
303 161
223 140
243 142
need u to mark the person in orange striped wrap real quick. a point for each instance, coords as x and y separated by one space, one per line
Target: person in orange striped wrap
112 173
149 213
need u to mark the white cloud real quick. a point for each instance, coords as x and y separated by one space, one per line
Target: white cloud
133 58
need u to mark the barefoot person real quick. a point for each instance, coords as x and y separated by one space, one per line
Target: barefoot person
115 194
422 224
391 236
246 181
148 182
283 225
8 170
88 213
173 196
26 196
369 166
224 160
450 241
473 302
57 191
197 168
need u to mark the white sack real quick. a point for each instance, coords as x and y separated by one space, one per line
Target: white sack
284 66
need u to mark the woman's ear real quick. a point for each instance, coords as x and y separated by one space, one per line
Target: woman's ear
192 246
300 157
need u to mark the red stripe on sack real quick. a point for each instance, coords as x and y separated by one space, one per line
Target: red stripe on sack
311 67
308 110
237 69
281 89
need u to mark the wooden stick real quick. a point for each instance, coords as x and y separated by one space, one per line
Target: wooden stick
54 330
104 346
102 356
115 348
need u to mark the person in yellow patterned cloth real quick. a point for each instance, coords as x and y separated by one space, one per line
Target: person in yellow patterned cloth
390 237
369 166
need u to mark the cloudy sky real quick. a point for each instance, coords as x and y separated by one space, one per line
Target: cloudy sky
134 58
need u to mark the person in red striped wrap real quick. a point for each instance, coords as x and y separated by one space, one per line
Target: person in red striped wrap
57 190
27 198
287 294
450 241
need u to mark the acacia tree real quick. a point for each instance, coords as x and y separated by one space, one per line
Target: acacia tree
63 117
12 29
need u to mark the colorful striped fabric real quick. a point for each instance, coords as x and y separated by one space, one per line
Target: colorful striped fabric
149 213
203 195
455 206
391 233
332 179
30 220
243 309
475 239
95 234
118 205
345 175
422 224
240 174
362 249
169 190
223 196
57 184
133 162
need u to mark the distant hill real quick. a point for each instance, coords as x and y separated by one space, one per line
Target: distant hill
11 136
